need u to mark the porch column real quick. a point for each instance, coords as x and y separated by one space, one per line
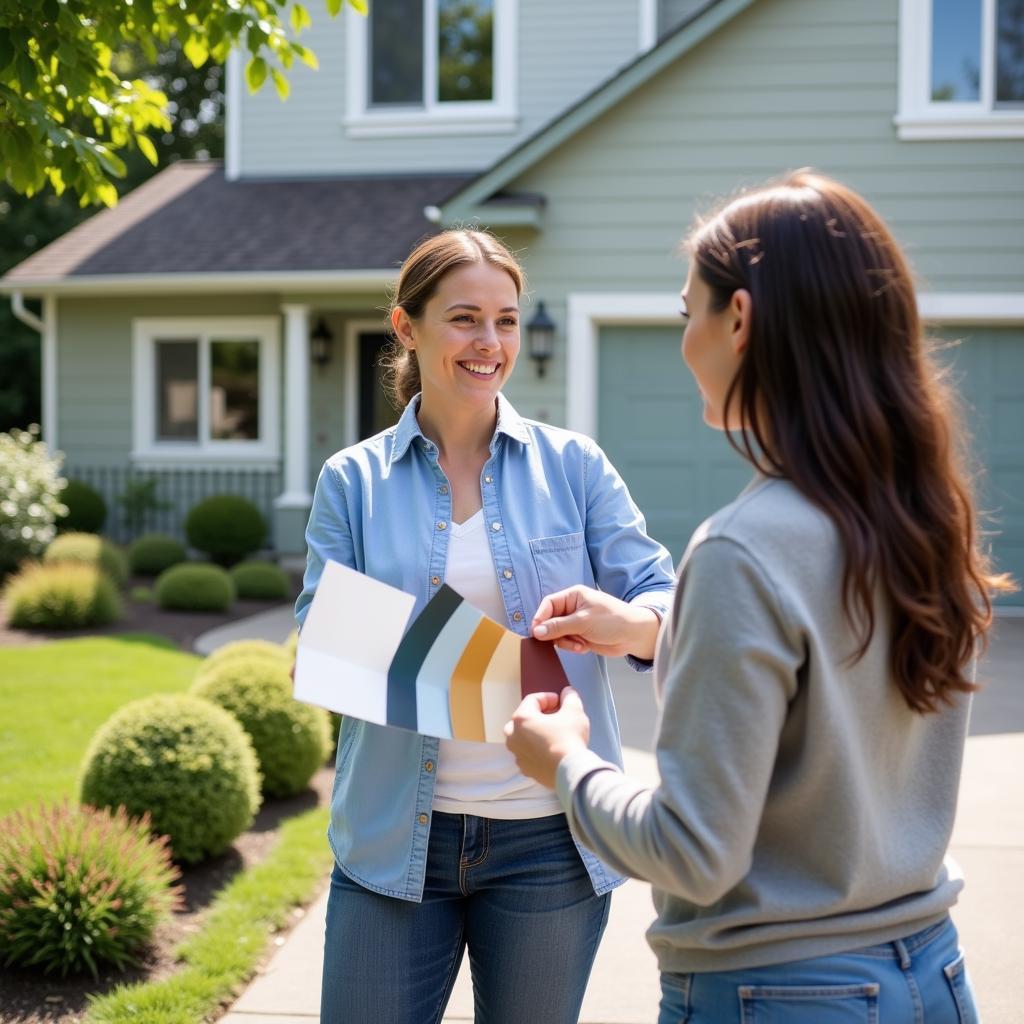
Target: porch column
292 506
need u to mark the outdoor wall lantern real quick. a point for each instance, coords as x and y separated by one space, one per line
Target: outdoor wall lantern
540 337
321 344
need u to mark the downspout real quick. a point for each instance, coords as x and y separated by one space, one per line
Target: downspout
46 326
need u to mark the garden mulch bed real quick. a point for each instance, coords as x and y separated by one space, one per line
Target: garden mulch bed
32 999
181 628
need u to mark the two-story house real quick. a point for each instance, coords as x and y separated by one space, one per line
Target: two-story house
220 327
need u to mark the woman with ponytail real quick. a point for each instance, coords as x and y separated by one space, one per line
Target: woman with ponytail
443 846
815 673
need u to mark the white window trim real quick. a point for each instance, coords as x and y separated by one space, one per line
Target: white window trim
921 119
589 311
648 24
497 116
146 449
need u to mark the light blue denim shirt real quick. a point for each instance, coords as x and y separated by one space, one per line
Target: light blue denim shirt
557 514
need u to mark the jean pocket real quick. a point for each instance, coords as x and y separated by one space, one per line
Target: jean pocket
675 998
956 975
560 561
809 1004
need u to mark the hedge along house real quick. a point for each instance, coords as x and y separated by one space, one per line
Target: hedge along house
589 149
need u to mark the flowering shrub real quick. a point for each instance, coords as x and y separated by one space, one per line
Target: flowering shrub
30 505
80 888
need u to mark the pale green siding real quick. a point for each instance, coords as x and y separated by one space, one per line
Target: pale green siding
671 13
562 53
787 83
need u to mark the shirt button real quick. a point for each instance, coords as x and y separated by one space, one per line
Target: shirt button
442 489
507 574
488 479
435 580
517 616
429 766
442 525
495 526
423 819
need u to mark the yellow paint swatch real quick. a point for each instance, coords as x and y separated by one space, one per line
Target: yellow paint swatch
502 686
465 699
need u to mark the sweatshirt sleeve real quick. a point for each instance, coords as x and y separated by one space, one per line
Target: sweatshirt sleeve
733 664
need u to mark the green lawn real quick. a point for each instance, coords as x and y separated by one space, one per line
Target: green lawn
55 696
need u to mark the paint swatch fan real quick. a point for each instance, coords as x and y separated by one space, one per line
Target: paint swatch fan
451 672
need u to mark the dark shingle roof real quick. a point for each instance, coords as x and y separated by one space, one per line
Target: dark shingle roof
190 220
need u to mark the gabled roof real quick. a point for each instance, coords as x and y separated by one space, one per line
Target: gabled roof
189 221
465 200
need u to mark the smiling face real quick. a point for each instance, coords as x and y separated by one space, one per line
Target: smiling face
467 339
713 346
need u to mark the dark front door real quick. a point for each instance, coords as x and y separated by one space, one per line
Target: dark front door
376 413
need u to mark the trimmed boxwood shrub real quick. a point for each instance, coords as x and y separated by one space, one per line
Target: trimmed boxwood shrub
89 549
186 762
154 552
81 888
291 644
227 527
61 596
195 587
261 581
87 511
242 650
291 739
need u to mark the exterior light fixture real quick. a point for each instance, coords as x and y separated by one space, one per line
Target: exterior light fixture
321 344
540 336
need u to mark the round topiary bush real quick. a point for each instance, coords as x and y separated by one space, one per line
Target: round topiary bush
242 650
61 596
87 511
291 644
261 581
195 587
186 762
80 888
152 553
89 549
291 739
227 527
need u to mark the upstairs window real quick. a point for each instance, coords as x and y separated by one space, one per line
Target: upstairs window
424 64
961 69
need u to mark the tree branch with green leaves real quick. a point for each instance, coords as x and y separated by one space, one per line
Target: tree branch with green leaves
67 117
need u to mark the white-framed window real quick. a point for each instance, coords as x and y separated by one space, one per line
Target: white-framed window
206 390
961 69
428 67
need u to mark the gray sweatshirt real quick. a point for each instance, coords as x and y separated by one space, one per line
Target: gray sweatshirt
803 808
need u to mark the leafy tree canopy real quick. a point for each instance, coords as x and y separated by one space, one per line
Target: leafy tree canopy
68 115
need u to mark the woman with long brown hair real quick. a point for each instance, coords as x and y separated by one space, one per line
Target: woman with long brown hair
814 676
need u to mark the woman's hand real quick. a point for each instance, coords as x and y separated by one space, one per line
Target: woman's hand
542 732
582 619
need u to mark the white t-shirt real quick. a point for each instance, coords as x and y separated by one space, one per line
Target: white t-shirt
481 778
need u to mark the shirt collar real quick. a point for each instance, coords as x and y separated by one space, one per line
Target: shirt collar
407 430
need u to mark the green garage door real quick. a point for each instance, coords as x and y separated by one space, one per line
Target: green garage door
679 471
988 368
650 423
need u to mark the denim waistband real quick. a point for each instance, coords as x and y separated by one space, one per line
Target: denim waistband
900 949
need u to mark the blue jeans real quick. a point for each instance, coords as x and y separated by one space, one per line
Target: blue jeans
515 893
920 979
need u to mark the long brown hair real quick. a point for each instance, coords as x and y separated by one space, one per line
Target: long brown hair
418 282
838 392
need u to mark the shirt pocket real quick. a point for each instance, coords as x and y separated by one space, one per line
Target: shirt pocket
560 562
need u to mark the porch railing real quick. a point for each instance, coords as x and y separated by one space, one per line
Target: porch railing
177 490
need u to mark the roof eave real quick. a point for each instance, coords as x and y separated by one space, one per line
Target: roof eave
172 284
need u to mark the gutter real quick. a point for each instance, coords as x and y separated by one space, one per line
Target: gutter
46 327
